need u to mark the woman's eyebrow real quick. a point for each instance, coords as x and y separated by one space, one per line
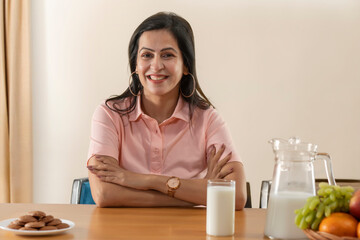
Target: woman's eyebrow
152 50
145 48
169 48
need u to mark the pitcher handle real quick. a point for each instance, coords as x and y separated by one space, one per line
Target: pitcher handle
328 167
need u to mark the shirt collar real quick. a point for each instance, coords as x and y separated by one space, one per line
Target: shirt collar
181 110
134 115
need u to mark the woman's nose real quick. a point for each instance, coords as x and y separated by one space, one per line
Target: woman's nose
157 63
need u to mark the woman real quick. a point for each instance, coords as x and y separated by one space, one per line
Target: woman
159 142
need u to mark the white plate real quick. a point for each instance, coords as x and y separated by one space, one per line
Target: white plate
5 223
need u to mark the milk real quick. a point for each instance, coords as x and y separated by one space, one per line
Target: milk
280 219
220 210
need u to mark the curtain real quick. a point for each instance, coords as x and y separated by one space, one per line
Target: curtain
16 180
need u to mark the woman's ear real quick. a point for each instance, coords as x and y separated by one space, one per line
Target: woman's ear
186 71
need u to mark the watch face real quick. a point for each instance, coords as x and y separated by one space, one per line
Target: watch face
173 182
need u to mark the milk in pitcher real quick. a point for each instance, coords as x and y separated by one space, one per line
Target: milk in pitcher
280 219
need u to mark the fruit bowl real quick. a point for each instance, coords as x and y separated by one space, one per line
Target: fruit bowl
316 235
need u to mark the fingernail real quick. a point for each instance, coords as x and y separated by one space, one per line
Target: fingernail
223 146
230 153
90 167
96 156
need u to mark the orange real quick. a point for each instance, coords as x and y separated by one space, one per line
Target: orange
358 230
339 224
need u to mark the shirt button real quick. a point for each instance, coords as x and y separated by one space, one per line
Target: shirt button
155 166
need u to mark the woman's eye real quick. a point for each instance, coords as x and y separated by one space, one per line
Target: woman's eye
168 55
146 55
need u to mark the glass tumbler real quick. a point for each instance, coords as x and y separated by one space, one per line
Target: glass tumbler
220 207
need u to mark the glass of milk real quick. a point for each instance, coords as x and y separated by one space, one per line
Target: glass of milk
220 207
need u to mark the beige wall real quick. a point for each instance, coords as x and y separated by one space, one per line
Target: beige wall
272 69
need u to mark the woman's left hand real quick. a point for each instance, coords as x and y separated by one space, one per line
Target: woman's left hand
107 169
216 166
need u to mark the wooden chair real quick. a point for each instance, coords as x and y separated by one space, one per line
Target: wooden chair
266 186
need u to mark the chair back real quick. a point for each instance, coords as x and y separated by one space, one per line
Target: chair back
248 193
81 192
264 193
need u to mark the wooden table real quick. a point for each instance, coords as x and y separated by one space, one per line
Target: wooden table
136 223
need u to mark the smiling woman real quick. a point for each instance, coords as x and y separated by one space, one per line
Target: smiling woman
159 142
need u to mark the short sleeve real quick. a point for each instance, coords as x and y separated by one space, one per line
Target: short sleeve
217 133
105 133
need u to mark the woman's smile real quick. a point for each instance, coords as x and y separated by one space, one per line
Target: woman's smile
156 78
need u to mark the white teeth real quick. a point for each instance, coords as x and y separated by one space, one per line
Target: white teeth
157 78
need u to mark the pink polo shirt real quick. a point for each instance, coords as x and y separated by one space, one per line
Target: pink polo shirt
176 147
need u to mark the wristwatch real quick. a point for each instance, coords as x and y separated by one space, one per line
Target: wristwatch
172 183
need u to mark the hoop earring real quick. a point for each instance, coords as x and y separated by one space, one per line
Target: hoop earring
193 91
135 95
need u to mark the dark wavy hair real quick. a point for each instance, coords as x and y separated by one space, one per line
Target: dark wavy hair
182 32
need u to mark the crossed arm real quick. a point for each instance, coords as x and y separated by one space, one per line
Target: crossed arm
113 186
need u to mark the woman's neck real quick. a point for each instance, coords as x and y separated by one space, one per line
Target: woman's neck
159 107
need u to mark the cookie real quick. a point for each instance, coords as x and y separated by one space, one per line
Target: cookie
37 214
62 226
27 218
28 229
18 222
47 218
35 225
48 228
14 226
54 222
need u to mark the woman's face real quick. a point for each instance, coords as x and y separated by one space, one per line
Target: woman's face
159 63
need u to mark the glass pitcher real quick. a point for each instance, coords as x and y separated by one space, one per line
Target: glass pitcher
293 182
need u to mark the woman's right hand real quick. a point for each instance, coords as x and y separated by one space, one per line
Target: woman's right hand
216 168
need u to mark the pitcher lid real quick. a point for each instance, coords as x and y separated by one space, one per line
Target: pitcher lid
292 144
